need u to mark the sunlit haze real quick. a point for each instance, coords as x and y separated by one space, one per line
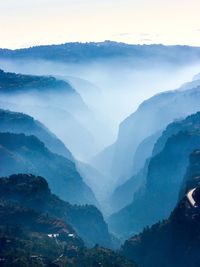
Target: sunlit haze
26 23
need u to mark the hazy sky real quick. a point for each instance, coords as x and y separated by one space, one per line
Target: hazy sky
31 22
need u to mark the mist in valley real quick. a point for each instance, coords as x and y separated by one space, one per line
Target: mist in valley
99 133
108 91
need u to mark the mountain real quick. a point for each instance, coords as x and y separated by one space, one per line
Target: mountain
163 181
152 116
94 179
34 229
55 103
86 52
85 88
16 83
27 154
123 195
144 151
12 82
33 193
174 242
15 122
190 123
103 160
26 237
192 177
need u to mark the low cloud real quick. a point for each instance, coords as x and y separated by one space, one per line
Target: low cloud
122 34
144 34
146 40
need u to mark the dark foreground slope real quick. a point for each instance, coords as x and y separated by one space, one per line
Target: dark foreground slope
29 237
26 237
26 154
33 193
174 242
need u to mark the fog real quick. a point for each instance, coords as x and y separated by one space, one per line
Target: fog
110 91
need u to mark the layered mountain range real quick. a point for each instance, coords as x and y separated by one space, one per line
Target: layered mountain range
16 122
27 154
83 52
62 206
159 192
54 102
152 116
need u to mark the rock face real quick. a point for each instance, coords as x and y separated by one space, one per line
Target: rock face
192 177
27 154
164 178
152 116
124 193
34 229
16 122
190 123
144 151
33 193
174 242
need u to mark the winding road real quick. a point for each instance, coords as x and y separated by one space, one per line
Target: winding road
190 197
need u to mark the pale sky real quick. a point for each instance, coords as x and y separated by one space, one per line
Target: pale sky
25 23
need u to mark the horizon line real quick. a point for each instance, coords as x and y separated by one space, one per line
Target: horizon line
98 42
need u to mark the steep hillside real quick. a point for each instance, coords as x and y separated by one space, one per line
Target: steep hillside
26 237
144 151
33 192
190 122
11 82
15 122
32 235
153 115
192 177
174 242
55 103
163 181
26 154
123 195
